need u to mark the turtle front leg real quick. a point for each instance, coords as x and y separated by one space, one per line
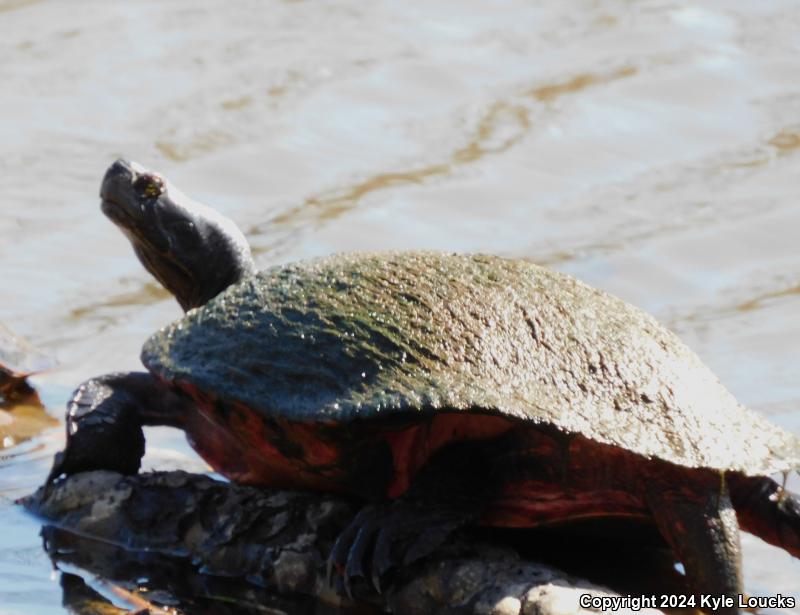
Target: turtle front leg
104 422
699 523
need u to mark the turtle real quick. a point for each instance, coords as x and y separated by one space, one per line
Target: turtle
443 390
18 360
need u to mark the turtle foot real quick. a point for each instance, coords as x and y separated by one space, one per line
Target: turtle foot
386 537
104 422
104 431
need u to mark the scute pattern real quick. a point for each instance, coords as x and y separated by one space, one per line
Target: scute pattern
364 335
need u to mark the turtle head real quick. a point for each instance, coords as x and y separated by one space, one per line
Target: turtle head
192 250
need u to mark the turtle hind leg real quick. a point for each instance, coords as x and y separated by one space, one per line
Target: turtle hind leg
104 422
385 537
699 522
452 490
767 510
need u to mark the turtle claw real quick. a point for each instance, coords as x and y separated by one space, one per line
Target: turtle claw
339 557
382 537
376 582
364 540
382 559
351 551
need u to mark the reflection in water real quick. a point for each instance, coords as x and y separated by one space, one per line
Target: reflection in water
81 599
674 188
502 126
10 5
22 414
23 419
758 302
197 145
149 579
786 140
18 360
104 311
573 85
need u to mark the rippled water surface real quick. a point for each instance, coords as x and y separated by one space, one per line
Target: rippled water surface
650 148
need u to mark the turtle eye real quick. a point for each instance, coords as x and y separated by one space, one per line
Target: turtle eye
149 186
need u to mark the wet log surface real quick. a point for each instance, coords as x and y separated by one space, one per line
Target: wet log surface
194 544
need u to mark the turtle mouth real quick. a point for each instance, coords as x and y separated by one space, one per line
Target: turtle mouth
118 199
118 213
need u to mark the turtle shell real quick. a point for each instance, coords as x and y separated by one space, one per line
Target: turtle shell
365 336
18 358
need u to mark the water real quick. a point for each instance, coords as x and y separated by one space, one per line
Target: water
649 148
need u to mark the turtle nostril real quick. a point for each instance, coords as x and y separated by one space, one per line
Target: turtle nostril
116 178
122 164
120 167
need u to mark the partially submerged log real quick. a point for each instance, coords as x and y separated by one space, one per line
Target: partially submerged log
245 545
